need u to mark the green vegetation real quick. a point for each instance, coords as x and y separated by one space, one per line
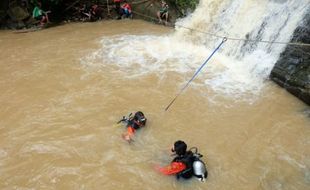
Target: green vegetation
185 4
45 1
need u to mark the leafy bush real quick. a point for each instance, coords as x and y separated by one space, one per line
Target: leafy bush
44 1
184 4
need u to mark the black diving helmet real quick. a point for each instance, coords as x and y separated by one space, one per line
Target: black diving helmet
140 118
179 147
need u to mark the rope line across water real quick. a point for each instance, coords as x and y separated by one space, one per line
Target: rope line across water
228 38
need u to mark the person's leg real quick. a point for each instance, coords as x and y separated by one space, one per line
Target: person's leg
127 13
85 14
166 18
123 13
159 16
46 17
43 20
129 135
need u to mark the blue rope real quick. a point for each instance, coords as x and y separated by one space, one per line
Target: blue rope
196 73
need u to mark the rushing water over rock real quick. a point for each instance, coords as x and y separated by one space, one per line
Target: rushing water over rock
250 62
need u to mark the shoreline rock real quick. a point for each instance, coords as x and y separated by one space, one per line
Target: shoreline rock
292 70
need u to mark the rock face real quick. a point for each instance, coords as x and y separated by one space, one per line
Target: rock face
292 70
18 13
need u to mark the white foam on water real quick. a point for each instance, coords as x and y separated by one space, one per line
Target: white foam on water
136 55
234 78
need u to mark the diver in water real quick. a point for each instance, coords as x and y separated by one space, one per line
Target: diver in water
133 123
186 164
194 166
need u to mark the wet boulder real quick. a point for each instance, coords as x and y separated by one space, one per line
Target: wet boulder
292 70
18 14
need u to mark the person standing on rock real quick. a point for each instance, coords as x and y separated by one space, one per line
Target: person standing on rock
40 15
126 10
163 13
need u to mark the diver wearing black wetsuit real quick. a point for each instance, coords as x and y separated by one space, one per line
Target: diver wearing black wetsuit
185 157
194 166
137 121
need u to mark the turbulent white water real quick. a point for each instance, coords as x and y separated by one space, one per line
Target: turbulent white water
239 68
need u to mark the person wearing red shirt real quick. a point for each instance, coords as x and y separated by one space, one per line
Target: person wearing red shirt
126 10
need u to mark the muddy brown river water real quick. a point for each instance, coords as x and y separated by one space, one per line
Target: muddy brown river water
58 114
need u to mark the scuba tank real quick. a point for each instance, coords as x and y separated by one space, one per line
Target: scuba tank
199 167
200 170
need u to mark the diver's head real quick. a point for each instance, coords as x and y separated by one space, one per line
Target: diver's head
179 147
139 117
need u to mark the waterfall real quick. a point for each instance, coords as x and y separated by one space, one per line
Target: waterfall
250 63
240 67
270 20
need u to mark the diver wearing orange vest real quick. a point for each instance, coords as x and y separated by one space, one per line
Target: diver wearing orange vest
186 163
133 123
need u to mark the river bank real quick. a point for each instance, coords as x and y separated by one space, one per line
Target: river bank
17 14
